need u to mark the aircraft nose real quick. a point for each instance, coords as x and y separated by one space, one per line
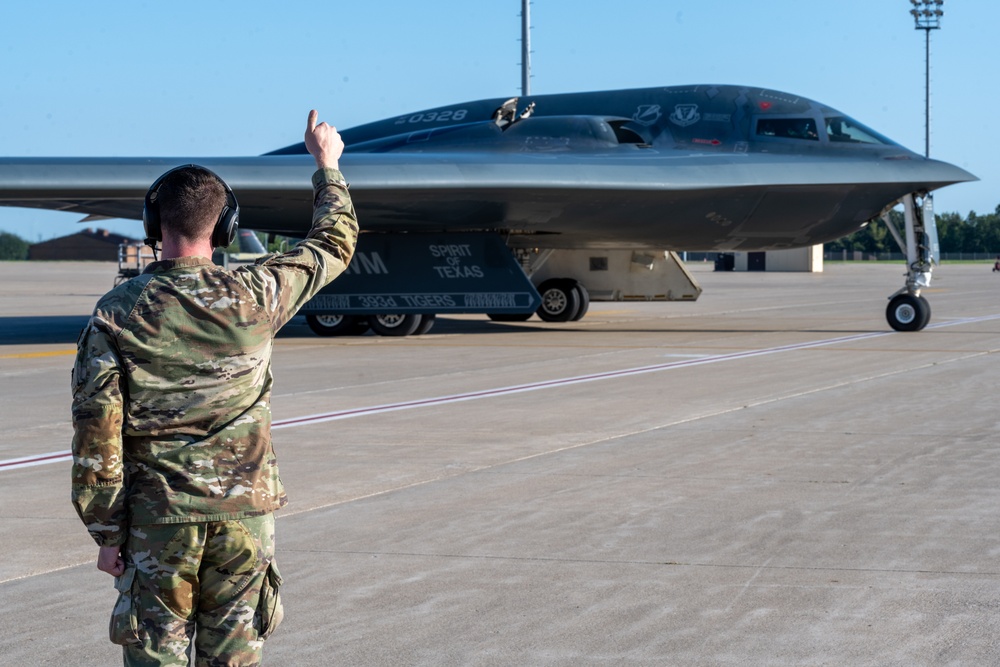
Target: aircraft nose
937 174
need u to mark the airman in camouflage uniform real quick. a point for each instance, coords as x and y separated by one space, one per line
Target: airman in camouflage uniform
173 470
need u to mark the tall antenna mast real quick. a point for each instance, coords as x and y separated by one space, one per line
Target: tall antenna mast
525 47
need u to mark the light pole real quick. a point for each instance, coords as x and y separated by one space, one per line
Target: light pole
927 16
525 47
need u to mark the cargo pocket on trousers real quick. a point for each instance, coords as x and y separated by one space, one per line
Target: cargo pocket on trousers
269 609
124 626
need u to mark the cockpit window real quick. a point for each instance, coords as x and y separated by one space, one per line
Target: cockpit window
847 130
788 128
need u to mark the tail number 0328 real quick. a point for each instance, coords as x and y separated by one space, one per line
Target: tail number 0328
433 116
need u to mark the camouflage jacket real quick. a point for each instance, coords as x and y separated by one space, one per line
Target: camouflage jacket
172 381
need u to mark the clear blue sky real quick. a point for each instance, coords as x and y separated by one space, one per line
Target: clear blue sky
225 78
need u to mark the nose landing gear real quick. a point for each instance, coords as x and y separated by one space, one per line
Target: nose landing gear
907 309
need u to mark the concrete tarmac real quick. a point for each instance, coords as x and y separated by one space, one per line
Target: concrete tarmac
769 476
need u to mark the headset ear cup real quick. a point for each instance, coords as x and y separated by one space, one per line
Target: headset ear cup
226 228
229 220
151 218
151 225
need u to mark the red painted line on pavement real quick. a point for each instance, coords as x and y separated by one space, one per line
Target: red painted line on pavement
41 459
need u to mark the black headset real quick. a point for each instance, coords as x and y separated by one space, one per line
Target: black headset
224 232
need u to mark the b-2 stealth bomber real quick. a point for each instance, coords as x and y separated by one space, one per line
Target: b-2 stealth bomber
701 167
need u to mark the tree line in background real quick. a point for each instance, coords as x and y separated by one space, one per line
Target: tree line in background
13 247
971 234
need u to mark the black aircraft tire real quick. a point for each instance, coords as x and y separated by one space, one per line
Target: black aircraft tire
906 312
394 324
509 317
560 300
360 326
335 325
584 299
426 323
927 312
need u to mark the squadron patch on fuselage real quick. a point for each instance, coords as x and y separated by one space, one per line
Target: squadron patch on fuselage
647 114
685 114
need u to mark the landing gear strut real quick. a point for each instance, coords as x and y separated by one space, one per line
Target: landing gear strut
907 310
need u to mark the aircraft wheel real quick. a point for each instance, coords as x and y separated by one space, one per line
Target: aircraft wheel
336 325
906 312
426 323
394 324
560 300
510 317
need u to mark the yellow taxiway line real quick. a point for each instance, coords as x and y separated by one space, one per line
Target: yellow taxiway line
37 355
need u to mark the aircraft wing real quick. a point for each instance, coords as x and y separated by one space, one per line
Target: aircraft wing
624 197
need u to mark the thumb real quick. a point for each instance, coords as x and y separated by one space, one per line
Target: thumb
311 123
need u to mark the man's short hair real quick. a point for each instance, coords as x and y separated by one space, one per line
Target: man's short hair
190 202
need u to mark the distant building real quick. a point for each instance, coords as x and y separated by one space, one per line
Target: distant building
89 244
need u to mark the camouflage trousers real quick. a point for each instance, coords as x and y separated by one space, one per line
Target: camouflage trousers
214 581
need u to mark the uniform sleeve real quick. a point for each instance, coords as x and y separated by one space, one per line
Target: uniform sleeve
284 283
97 476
